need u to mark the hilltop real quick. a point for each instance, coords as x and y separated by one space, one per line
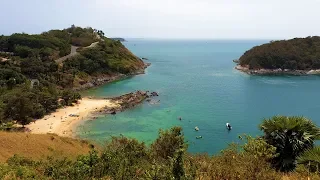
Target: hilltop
296 56
42 72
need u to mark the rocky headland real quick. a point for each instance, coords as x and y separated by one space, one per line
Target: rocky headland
278 71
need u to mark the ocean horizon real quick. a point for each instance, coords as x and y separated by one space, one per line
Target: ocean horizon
196 81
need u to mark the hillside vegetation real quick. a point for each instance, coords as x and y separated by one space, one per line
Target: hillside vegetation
281 153
33 84
293 54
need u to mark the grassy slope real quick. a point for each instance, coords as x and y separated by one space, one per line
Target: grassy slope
37 146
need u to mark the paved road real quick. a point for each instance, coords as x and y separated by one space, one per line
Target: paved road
74 52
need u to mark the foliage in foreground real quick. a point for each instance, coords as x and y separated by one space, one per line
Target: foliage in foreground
166 158
291 136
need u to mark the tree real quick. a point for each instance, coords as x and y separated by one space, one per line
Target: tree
259 148
168 143
311 159
32 67
20 108
291 136
23 51
70 97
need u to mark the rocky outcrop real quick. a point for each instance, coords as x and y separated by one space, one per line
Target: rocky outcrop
104 79
98 81
126 101
279 71
154 94
236 61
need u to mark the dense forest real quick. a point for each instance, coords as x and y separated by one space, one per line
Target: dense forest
38 73
286 150
294 54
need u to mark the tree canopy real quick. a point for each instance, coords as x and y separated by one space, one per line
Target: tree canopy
293 54
291 136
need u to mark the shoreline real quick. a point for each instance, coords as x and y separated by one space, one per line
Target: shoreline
266 72
64 121
105 79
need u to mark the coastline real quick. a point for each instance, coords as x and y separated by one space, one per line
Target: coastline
105 79
268 72
63 123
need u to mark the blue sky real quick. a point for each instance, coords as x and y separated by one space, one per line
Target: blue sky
191 19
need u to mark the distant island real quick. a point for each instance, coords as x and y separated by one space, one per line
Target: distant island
118 39
298 56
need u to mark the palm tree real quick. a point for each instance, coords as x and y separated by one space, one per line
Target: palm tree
311 158
291 136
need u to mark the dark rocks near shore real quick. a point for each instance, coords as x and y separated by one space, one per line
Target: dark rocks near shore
236 61
103 79
276 72
113 113
98 81
127 101
154 94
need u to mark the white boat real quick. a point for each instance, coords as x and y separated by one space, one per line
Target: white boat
228 126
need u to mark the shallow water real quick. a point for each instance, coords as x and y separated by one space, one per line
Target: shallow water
197 81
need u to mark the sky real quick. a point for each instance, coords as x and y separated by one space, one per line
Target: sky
167 19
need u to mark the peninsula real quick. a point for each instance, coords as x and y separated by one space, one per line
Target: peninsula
41 73
298 56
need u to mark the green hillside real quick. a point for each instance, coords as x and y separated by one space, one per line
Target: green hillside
37 70
293 54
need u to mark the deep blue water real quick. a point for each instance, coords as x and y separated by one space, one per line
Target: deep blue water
197 81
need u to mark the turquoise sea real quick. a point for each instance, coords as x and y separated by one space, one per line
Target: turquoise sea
197 81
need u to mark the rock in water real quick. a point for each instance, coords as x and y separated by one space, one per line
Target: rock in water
154 94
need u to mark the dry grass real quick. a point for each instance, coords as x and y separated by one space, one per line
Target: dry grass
37 146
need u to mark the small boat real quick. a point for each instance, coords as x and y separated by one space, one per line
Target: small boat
198 137
196 128
228 126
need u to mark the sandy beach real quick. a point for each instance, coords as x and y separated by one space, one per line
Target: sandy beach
62 124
